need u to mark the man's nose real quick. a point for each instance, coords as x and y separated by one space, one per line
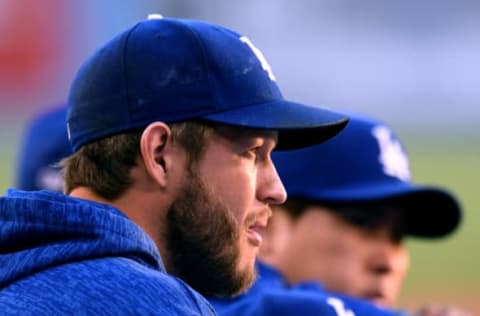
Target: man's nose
271 189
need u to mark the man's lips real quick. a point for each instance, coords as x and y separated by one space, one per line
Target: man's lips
255 234
256 226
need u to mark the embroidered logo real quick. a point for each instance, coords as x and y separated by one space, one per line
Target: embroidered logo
339 307
261 58
392 157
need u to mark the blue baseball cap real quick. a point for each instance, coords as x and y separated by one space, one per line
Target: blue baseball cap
43 145
174 70
365 164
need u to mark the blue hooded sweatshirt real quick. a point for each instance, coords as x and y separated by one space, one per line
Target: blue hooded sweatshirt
65 256
272 296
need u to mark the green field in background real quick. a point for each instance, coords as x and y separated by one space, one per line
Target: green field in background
449 267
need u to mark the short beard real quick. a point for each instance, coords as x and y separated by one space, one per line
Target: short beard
203 241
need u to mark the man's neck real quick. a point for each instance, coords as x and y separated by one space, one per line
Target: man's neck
141 208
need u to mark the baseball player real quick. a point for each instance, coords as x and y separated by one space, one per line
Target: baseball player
351 203
160 120
46 154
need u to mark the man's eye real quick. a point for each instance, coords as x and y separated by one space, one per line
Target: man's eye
252 153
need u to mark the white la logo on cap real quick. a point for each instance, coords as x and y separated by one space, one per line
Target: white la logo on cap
392 156
261 58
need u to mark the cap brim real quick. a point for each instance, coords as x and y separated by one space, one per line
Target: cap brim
430 212
298 125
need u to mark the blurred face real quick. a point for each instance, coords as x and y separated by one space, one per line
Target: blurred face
321 246
216 225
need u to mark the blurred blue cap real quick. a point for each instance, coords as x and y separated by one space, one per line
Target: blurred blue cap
364 164
174 70
44 144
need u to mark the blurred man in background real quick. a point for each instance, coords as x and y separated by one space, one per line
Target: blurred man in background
44 144
340 234
351 204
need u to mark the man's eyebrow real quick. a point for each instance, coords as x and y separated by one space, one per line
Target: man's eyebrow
235 132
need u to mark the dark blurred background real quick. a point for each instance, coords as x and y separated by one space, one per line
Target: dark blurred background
413 64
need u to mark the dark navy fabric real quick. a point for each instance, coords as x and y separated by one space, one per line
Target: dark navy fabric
270 295
66 256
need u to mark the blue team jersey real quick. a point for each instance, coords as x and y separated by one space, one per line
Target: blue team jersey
271 295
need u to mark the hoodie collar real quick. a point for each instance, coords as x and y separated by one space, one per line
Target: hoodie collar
42 229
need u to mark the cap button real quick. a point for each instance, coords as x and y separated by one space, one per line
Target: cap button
155 16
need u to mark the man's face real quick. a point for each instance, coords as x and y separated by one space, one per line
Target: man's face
217 222
321 246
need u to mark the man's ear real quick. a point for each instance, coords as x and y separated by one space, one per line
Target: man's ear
155 146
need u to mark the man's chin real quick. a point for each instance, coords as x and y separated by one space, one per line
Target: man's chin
206 241
243 281
250 275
